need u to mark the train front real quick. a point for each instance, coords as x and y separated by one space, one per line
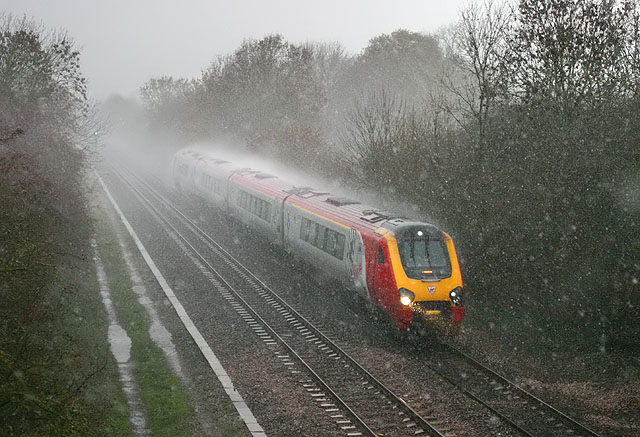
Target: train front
427 274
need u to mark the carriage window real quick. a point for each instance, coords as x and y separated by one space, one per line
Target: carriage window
313 232
381 256
331 243
255 206
323 238
304 230
213 184
267 211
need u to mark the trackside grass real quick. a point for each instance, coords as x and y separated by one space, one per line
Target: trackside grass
103 407
169 402
166 401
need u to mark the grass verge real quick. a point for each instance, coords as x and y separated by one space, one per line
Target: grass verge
167 403
102 407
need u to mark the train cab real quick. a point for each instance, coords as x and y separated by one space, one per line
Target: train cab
423 261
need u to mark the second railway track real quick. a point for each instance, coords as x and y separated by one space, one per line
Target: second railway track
355 399
359 403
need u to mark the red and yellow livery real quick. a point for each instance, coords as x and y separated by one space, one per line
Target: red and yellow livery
405 267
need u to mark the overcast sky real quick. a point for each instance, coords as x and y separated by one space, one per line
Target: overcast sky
125 42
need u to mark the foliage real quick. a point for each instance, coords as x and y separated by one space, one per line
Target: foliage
288 100
396 149
44 229
404 63
572 52
265 95
516 130
40 79
536 187
168 101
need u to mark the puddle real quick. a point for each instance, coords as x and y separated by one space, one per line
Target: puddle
158 333
120 344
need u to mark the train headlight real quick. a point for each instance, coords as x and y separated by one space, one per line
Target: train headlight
406 296
456 295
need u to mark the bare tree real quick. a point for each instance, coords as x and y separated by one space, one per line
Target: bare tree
572 52
474 79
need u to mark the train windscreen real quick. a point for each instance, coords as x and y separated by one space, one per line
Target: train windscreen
424 257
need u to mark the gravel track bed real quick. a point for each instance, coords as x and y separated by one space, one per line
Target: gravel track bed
273 394
379 412
368 335
265 384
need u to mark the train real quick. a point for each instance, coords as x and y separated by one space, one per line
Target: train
407 268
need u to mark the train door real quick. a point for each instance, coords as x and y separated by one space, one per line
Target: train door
291 229
283 222
227 193
355 266
381 274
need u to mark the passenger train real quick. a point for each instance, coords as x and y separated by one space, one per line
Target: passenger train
407 268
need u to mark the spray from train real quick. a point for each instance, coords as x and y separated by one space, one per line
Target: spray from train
237 154
407 268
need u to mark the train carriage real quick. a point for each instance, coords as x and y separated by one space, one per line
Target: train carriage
202 175
255 198
316 238
407 268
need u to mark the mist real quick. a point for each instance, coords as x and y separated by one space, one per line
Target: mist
406 126
522 146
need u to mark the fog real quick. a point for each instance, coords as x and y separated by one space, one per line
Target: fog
125 43
401 125
450 119
241 158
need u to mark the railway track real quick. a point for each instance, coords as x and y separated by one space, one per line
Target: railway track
330 375
359 403
523 411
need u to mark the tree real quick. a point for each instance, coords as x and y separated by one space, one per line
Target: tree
571 52
44 117
404 63
266 94
401 151
329 61
475 78
399 67
40 79
546 101
169 103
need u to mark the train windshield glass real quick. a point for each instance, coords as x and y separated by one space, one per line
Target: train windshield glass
424 257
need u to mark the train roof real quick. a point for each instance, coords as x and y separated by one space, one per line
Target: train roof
343 210
339 209
265 183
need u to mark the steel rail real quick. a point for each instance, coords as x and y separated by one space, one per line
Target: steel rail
250 308
231 260
576 426
568 421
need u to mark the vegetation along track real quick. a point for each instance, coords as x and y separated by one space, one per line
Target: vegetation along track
332 374
358 402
